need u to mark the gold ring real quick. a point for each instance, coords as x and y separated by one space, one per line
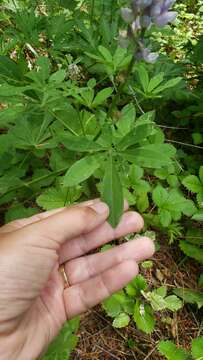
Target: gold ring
64 276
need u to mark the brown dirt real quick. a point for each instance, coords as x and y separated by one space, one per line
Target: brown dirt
98 340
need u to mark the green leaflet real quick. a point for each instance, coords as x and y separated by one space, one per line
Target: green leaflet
112 192
151 156
82 170
135 136
143 77
102 96
78 143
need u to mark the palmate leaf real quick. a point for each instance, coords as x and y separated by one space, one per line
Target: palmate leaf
151 156
112 192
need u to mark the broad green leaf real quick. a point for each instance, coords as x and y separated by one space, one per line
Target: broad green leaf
136 173
159 302
122 320
155 81
192 251
190 296
78 143
112 305
81 170
102 96
167 85
173 303
165 217
192 183
159 195
151 156
64 343
53 198
112 192
143 317
171 352
162 291
18 211
136 286
143 77
197 348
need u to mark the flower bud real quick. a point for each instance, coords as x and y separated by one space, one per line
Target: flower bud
145 21
127 15
139 5
165 18
146 55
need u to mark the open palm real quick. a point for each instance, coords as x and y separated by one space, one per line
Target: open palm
33 302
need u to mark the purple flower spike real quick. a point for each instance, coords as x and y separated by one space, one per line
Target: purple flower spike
165 18
149 57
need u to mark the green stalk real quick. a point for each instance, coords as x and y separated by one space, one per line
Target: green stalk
92 12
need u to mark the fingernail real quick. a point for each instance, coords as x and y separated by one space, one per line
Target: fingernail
100 207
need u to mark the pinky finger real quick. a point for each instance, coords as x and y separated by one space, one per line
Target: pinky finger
81 297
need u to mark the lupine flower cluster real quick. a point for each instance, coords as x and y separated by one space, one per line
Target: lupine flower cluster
140 17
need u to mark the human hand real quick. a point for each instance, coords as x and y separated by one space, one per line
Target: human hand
33 302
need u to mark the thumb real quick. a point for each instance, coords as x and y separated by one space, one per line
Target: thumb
64 225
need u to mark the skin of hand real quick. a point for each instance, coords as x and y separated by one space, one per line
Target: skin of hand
33 302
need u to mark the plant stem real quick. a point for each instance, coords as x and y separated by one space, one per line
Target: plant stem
92 12
120 89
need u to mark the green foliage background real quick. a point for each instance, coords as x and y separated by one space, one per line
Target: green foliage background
80 118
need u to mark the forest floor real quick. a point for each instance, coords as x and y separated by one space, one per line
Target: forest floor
98 340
